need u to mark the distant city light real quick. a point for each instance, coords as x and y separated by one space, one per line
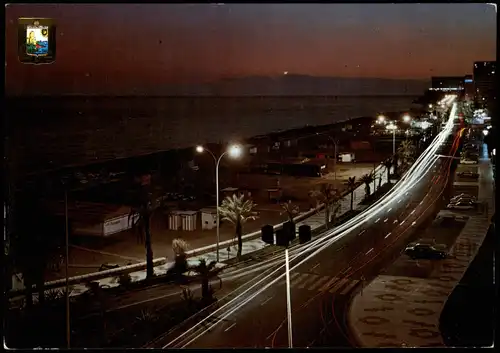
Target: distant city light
485 132
406 118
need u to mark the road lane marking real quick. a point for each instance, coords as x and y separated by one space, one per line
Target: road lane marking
347 269
395 221
299 279
378 219
265 301
407 193
349 287
421 202
230 327
389 210
399 200
385 220
315 266
403 222
328 284
387 235
308 281
369 251
338 285
412 212
319 282
413 223
364 230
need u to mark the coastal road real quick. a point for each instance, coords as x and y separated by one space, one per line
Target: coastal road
321 284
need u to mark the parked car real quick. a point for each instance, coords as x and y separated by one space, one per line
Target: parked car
468 175
424 251
463 195
469 199
462 205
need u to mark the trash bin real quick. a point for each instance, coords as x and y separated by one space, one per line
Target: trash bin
267 234
304 233
282 238
289 229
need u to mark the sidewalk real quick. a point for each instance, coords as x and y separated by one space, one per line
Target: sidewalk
398 311
251 243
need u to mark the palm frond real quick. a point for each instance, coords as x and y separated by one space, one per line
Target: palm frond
367 178
236 209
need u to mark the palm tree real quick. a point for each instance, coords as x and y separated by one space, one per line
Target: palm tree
237 211
335 206
206 272
179 246
290 209
327 195
140 215
367 179
144 205
388 164
31 249
351 186
407 151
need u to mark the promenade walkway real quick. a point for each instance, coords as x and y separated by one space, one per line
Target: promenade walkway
251 243
398 311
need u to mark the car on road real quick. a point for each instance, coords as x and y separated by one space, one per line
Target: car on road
461 205
425 251
468 175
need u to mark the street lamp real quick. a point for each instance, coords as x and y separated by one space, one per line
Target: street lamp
381 118
406 118
233 151
393 128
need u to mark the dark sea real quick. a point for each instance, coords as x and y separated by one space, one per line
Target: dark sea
50 133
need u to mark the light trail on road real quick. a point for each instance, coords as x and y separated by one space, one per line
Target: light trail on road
412 177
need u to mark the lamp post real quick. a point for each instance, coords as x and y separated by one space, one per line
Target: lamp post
66 263
234 151
288 301
393 128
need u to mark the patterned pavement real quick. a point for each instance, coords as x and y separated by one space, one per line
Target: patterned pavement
397 311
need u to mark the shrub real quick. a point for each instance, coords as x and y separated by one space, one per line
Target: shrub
124 279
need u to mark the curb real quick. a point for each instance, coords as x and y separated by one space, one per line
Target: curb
93 276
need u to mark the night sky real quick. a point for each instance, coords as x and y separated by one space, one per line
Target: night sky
115 48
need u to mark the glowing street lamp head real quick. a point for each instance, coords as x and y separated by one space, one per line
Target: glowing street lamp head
430 105
406 118
199 149
381 118
235 151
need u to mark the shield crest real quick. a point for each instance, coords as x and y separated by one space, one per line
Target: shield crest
37 40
